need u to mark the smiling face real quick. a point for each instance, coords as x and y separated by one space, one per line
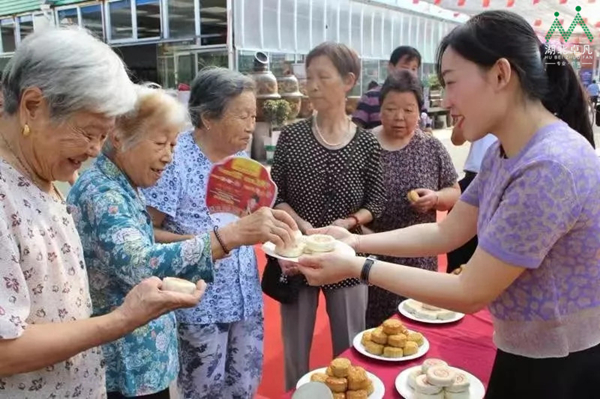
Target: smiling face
233 130
399 114
325 86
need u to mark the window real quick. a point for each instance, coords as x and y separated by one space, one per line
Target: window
67 17
91 19
120 20
25 26
217 59
182 21
213 22
7 27
245 61
148 18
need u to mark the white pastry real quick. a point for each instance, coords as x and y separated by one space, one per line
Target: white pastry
298 237
461 382
432 362
178 285
420 395
291 252
412 377
457 395
430 307
440 376
422 385
412 306
320 243
444 314
426 314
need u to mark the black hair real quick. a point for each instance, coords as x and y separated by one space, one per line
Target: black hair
492 35
405 52
402 82
373 84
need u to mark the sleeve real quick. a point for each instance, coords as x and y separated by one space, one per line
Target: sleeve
471 194
537 208
123 244
15 304
279 170
447 173
375 193
361 114
164 195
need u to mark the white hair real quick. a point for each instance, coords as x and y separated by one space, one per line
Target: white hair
75 72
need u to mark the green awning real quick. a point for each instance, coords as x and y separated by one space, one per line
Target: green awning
11 7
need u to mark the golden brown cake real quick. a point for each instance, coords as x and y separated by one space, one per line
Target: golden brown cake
365 337
370 388
337 384
397 341
378 336
374 348
339 395
412 196
391 352
411 348
360 394
416 337
357 379
319 377
340 367
329 372
392 326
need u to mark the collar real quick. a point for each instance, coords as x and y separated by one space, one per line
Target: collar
112 172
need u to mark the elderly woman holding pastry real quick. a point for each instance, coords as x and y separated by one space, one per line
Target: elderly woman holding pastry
62 89
328 171
221 340
120 248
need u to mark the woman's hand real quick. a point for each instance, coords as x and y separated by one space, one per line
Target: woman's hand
288 268
304 226
339 233
264 225
328 268
344 223
428 200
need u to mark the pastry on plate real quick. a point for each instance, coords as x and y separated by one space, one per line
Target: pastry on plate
392 326
294 251
426 314
397 340
365 337
337 384
373 348
421 395
329 372
319 243
412 376
444 314
360 394
460 384
339 395
370 388
319 377
432 362
357 379
412 306
416 337
440 376
430 307
340 367
392 353
457 395
411 348
422 385
378 336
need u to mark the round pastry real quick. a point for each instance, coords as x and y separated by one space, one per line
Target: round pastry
457 395
423 386
357 379
365 337
360 394
373 348
412 306
337 384
412 377
412 196
340 367
411 348
416 337
320 243
392 353
397 341
432 362
440 376
392 326
370 388
291 252
339 395
420 395
329 372
319 377
298 236
461 383
178 285
378 336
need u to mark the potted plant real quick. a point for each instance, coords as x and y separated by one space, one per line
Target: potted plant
276 112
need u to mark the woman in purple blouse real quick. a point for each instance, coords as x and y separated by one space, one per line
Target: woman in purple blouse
534 206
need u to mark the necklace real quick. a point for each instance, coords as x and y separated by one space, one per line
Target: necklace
318 132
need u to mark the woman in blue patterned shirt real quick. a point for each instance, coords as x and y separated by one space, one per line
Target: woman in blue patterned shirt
221 340
120 248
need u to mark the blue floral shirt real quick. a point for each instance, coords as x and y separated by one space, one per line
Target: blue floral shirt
120 251
181 194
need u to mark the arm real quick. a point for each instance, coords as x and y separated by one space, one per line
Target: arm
447 197
161 235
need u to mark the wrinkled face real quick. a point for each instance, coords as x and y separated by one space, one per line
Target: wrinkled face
325 86
234 129
399 114
472 95
408 64
145 159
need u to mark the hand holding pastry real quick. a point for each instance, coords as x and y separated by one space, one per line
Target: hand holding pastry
261 226
326 268
338 233
428 200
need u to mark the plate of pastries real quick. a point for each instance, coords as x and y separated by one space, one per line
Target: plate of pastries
435 379
346 381
306 245
391 342
425 313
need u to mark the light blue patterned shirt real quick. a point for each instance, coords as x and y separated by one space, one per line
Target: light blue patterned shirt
120 251
181 194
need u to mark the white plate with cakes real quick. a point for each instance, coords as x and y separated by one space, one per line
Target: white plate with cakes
306 245
391 342
435 379
424 313
346 380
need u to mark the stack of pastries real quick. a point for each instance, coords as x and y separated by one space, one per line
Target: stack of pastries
436 380
427 312
392 339
316 243
345 380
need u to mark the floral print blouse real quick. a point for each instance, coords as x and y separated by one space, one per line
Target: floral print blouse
181 194
120 251
43 279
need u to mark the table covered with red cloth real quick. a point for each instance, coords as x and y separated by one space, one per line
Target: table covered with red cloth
466 344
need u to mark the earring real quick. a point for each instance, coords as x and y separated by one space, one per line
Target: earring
26 130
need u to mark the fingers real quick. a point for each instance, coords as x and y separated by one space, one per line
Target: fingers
311 275
284 217
284 236
312 261
322 230
153 282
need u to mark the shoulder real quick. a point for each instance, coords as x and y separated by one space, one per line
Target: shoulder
429 141
94 187
296 131
367 138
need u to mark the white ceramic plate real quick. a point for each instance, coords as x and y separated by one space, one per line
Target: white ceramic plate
411 316
269 249
476 390
423 349
377 383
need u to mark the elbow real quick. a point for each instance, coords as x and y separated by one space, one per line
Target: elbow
471 307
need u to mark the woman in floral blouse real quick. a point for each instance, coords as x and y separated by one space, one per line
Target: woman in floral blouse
119 246
63 89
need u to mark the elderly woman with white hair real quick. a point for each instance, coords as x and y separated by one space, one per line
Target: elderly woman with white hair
63 90
119 243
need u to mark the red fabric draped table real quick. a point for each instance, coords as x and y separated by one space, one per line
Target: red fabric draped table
466 344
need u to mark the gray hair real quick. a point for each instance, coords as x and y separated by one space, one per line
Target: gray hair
74 71
212 90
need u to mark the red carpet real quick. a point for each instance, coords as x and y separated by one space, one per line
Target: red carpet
272 385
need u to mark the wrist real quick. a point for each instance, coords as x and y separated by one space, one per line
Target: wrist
356 267
121 322
230 237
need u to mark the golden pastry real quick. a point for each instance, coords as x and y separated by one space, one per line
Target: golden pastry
337 384
370 388
378 336
357 379
360 394
416 337
365 337
392 326
319 377
397 341
339 395
374 348
412 196
391 352
329 372
340 367
411 348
